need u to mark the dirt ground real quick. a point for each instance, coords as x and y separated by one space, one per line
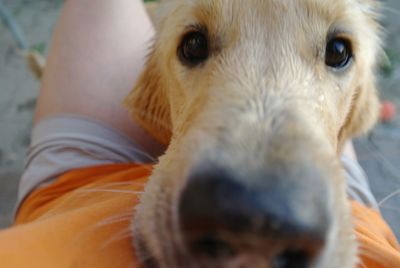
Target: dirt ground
379 153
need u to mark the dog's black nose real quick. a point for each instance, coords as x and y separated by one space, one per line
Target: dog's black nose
221 216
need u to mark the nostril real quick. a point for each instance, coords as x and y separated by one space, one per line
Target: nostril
292 258
222 217
212 247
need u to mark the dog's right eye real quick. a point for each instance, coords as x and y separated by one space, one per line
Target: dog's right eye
193 49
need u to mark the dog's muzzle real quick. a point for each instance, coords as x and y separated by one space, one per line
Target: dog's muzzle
269 219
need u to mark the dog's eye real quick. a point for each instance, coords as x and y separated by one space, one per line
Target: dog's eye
193 49
338 53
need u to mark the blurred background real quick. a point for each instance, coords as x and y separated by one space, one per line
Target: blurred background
379 152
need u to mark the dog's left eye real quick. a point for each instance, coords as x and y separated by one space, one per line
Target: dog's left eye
338 53
193 49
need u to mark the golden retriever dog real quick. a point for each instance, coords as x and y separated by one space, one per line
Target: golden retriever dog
255 100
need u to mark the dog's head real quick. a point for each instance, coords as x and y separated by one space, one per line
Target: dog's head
255 100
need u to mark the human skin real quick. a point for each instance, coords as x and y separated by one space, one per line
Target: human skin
96 54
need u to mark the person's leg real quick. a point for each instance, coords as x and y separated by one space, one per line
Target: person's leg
358 188
97 52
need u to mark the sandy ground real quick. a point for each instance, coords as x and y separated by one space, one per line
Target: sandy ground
379 153
18 92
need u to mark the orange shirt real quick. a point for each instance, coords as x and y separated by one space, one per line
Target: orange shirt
83 220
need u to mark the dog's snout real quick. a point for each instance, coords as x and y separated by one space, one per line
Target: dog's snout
222 216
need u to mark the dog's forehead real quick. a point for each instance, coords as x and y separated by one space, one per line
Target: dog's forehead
328 10
271 16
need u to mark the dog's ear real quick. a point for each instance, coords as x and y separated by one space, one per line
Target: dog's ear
364 111
148 102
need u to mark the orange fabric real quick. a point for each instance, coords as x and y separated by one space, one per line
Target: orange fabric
83 220
378 245
77 221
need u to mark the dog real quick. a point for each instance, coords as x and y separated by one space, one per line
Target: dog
255 100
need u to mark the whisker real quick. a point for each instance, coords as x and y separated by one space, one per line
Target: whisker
116 219
387 198
125 183
100 190
146 166
125 233
146 155
367 253
391 10
390 167
362 264
360 223
93 228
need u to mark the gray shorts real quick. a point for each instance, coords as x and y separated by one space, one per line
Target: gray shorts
64 143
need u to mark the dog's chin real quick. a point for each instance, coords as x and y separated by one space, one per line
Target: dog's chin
148 261
145 257
340 252
337 256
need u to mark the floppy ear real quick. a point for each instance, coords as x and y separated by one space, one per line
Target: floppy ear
365 105
364 112
148 102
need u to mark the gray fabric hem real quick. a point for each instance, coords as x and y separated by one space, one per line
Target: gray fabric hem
358 188
63 143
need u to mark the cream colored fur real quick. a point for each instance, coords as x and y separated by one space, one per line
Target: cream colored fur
264 91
